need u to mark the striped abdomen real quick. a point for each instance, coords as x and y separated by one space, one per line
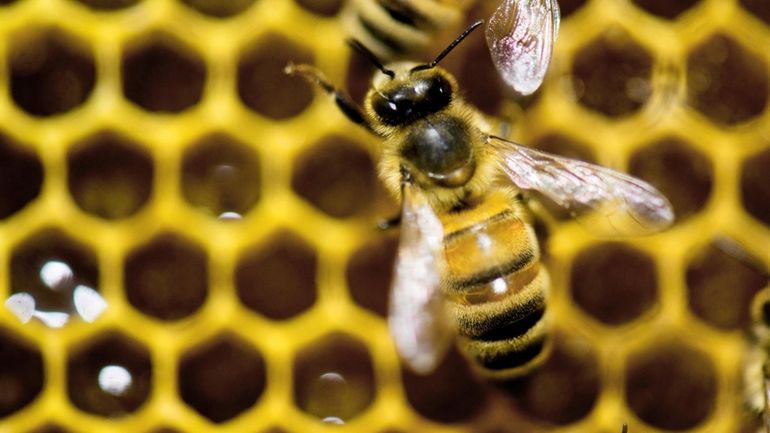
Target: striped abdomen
394 28
496 286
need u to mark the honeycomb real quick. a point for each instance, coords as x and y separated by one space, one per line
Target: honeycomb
154 157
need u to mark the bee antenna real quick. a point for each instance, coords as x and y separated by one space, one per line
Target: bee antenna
361 48
451 46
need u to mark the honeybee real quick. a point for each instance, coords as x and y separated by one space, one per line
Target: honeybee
756 371
468 264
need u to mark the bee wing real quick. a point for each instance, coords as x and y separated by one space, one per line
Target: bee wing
417 319
617 201
520 35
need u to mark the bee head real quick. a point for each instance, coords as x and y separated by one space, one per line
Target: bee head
410 94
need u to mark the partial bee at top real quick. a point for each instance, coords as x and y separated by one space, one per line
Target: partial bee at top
520 33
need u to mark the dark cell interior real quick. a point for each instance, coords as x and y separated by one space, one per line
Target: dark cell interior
450 394
358 77
670 385
85 368
167 278
323 8
669 9
221 378
336 176
109 5
161 74
681 173
565 389
611 74
277 278
221 174
755 186
21 373
50 428
369 271
262 84
759 8
613 282
334 378
45 247
219 8
722 279
109 176
568 7
725 81
21 176
51 72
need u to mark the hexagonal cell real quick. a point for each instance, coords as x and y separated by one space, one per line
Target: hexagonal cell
725 81
369 272
755 186
56 278
334 378
665 8
358 78
450 394
21 176
613 282
681 173
565 389
323 8
50 428
337 176
109 176
108 5
670 386
219 8
722 279
51 72
109 375
161 74
278 277
167 278
21 373
221 176
612 74
262 84
222 377
759 8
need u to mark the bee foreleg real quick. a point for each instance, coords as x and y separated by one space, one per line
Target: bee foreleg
343 101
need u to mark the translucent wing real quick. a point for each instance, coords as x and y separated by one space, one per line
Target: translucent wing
417 318
627 205
520 35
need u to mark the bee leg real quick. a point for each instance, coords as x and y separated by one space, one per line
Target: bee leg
389 223
343 101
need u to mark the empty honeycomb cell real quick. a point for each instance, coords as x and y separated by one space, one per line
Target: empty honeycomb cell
108 5
669 9
565 389
262 84
323 8
681 173
760 8
277 277
222 377
613 282
109 375
51 72
334 378
21 373
450 394
219 8
161 74
221 176
612 74
109 176
755 186
477 76
53 270
50 428
167 278
21 177
369 271
337 176
725 81
670 385
358 77
722 279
